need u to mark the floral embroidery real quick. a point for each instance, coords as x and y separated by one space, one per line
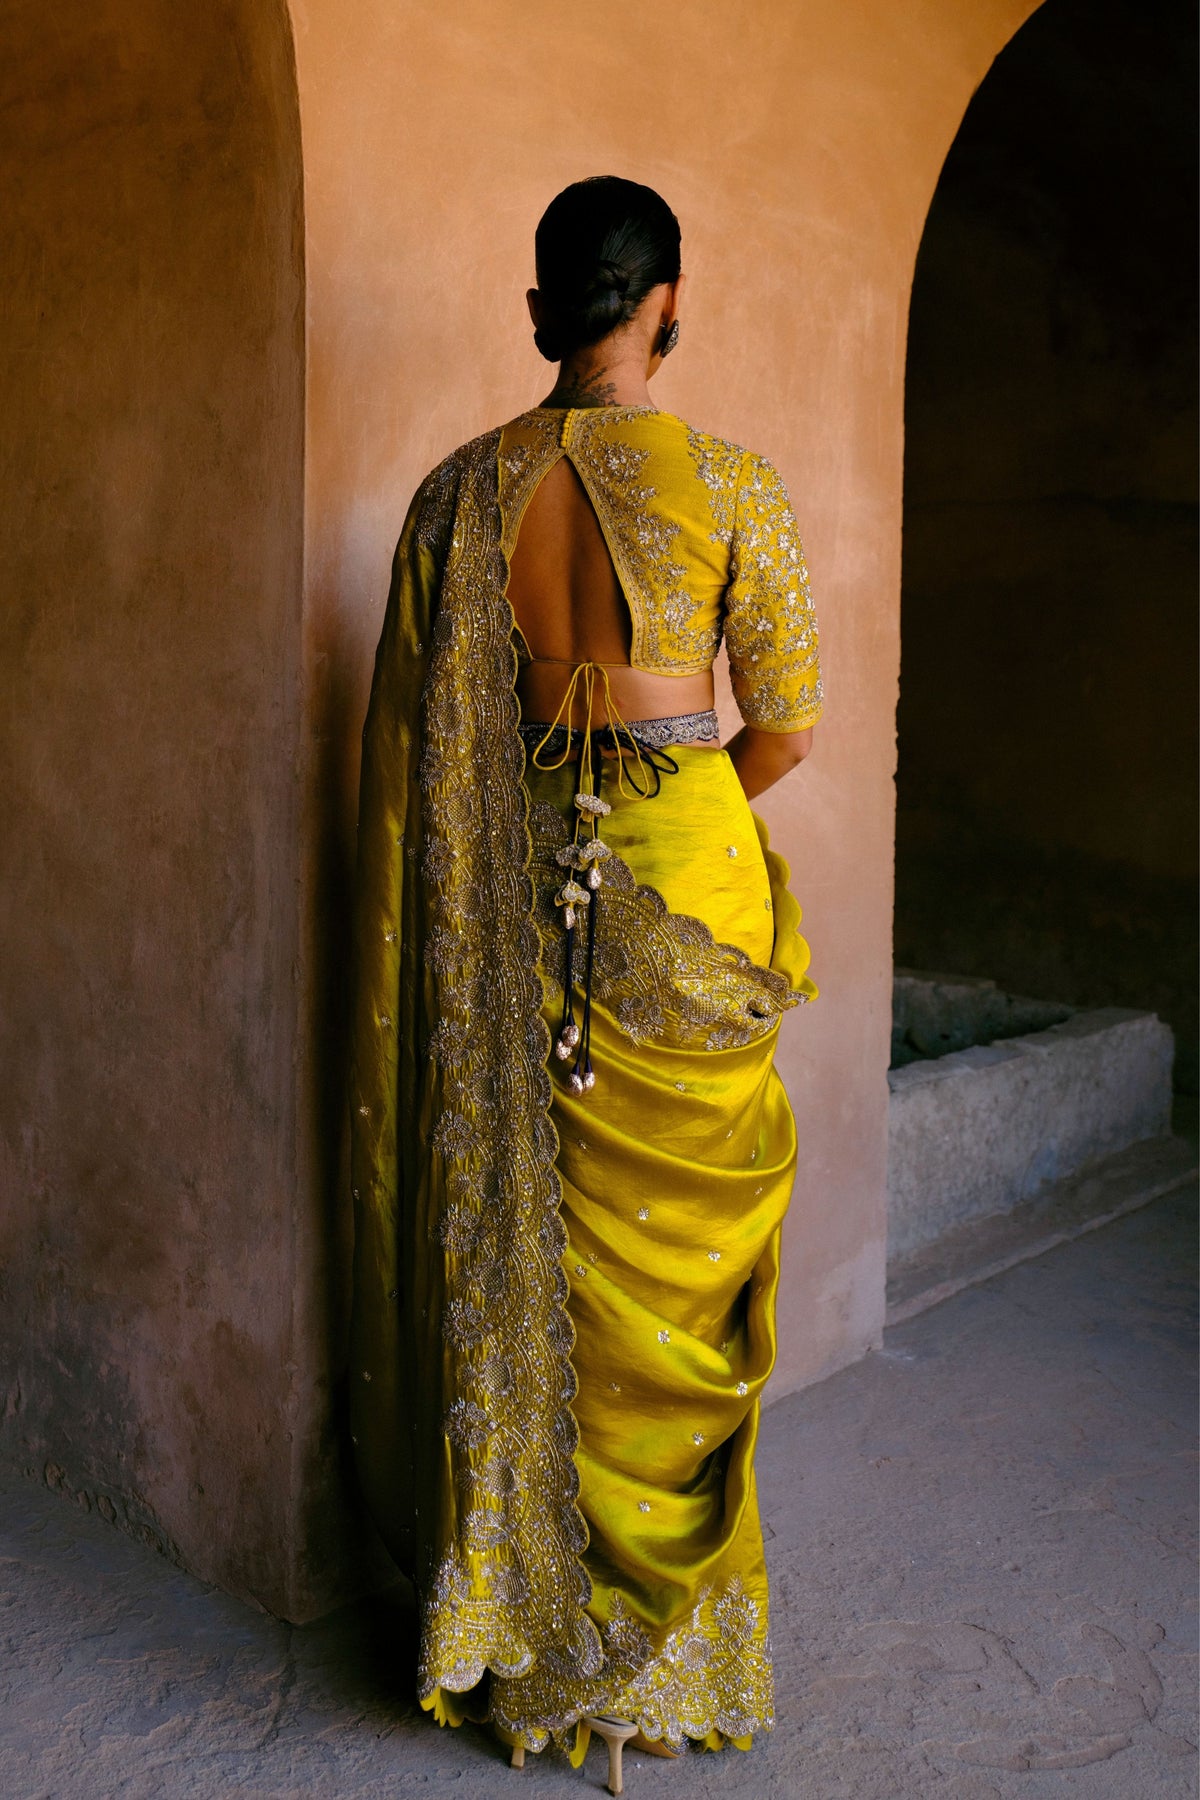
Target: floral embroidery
719 466
668 979
522 462
644 543
733 564
711 1673
435 506
494 1591
770 622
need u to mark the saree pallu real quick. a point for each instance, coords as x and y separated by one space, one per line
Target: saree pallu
575 1546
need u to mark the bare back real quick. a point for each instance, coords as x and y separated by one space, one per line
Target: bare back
570 608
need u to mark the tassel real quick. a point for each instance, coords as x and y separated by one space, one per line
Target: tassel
568 1031
584 856
583 1076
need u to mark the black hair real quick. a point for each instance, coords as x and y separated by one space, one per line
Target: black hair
600 246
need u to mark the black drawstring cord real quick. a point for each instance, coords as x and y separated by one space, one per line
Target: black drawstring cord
569 1035
573 1037
568 1030
583 1071
621 739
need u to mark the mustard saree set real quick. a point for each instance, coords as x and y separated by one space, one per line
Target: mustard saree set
571 1151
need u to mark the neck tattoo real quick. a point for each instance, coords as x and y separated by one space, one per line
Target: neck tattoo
577 389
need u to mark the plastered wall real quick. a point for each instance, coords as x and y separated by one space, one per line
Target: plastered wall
151 442
800 146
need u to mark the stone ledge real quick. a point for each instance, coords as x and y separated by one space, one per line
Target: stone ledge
1102 1191
981 1130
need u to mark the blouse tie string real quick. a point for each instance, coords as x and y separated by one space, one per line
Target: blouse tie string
640 769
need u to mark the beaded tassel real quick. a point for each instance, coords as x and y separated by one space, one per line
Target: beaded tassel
568 1031
583 1072
583 859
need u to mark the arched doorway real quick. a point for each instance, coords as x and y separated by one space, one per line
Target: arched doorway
1046 827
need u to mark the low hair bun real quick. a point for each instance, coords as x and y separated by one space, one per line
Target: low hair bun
610 275
602 308
601 245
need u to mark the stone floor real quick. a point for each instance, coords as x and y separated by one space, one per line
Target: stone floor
982 1546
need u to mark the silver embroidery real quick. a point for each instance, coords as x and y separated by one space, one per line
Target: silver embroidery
664 974
770 622
658 734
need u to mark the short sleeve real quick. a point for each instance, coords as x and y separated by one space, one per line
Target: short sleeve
770 621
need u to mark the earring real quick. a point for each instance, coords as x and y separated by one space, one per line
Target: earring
669 338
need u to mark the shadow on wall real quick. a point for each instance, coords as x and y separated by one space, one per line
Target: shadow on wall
162 1337
1046 830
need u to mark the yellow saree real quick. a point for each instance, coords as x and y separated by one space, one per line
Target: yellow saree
564 1300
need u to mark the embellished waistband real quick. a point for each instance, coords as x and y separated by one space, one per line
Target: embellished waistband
655 734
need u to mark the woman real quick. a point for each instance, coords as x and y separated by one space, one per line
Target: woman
571 1150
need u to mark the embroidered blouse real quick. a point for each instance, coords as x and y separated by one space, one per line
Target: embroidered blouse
704 542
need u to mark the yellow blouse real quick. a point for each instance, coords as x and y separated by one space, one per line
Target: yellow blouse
704 541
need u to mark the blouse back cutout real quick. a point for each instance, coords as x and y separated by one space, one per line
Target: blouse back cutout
704 543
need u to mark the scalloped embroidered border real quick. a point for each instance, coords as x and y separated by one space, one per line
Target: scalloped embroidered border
507 1587
663 973
713 1672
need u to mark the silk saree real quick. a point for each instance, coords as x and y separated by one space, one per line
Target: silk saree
564 1297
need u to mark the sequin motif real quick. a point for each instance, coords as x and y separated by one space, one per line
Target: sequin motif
712 1672
509 1578
680 728
770 620
734 567
668 979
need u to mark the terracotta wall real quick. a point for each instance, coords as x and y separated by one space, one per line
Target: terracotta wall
184 694
1048 762
800 146
151 441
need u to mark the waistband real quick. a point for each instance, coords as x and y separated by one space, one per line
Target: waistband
654 734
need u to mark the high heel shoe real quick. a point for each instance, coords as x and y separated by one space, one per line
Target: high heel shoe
653 1747
616 1734
513 1743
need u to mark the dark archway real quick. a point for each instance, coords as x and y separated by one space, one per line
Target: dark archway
1046 828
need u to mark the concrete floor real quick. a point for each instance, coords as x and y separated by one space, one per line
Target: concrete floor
982 1545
